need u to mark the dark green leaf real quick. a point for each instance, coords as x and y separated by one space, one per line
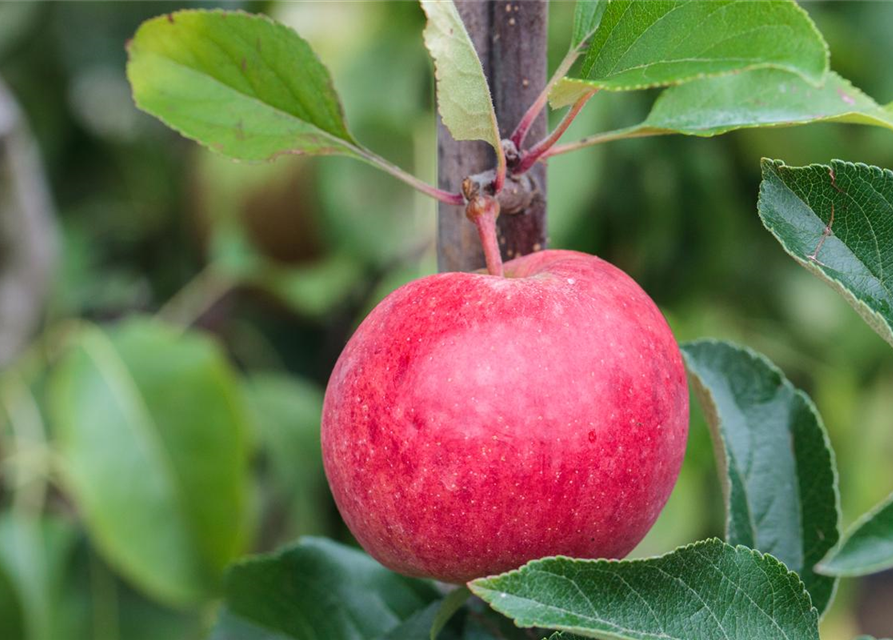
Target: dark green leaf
16 22
34 553
776 464
662 42
866 548
760 98
150 428
483 623
286 413
450 605
417 626
463 95
241 84
12 623
587 16
854 252
705 590
320 589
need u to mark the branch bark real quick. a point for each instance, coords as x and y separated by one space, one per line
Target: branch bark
510 38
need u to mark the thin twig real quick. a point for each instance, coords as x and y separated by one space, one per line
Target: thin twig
520 132
599 138
197 296
420 185
529 157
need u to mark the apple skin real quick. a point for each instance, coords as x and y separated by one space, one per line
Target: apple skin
474 423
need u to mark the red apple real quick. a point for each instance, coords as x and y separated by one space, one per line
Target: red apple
474 422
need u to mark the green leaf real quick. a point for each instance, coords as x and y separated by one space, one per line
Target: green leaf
483 623
417 626
286 413
663 42
312 289
450 605
241 84
12 622
866 548
587 17
760 98
854 253
34 554
320 589
705 590
776 464
17 20
150 428
463 96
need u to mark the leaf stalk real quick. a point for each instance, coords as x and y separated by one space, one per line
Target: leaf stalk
530 157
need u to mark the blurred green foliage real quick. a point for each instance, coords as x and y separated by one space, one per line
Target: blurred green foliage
279 263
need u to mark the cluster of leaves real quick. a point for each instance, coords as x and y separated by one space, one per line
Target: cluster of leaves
254 90
142 395
728 65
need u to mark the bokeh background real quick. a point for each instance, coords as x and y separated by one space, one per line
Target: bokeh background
280 262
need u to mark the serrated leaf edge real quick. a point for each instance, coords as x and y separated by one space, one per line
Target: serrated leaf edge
701 76
493 141
719 443
822 566
475 586
874 320
339 143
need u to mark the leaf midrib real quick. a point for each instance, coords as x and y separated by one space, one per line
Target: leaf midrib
755 64
349 144
886 289
108 361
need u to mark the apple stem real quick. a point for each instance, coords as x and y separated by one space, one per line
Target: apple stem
483 210
486 225
530 156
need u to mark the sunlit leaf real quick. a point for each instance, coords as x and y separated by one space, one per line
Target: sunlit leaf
463 96
663 42
241 84
587 16
761 98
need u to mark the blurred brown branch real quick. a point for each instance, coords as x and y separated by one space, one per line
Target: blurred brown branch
28 243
